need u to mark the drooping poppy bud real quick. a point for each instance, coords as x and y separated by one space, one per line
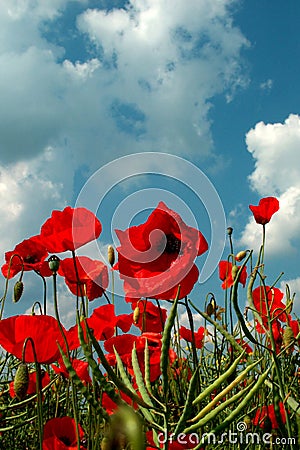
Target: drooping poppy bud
18 291
136 314
111 255
54 262
240 255
21 381
229 231
211 307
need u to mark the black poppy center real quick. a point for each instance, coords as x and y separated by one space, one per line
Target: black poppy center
67 441
172 245
30 259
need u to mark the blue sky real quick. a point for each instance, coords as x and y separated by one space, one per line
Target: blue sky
85 82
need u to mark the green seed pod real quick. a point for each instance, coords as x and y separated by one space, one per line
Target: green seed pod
247 420
18 291
234 271
288 338
21 381
53 262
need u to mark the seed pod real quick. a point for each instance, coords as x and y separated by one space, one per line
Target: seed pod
136 315
247 420
211 307
21 381
240 255
288 338
111 255
18 291
234 271
229 231
53 262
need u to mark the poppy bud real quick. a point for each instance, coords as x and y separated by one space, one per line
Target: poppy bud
18 291
288 338
211 307
21 381
241 255
229 231
111 255
247 421
234 271
136 315
53 262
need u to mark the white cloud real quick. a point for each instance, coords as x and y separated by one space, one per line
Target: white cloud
275 148
28 193
143 83
145 86
167 63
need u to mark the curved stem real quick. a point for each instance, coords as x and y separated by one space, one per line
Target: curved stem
2 300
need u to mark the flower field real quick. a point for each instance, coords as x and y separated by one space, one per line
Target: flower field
143 380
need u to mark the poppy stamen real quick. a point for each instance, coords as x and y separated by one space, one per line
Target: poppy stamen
173 244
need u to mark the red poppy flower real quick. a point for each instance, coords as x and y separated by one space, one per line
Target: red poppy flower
275 305
102 322
268 412
124 345
80 367
186 334
43 330
151 317
31 390
70 229
294 324
110 406
245 346
60 434
225 274
157 256
33 253
93 276
264 211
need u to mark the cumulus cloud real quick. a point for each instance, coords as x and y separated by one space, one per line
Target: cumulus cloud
146 85
275 148
28 193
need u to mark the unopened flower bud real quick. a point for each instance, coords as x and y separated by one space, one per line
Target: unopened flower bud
136 315
21 381
54 262
111 255
18 291
288 338
234 271
211 307
240 255
229 231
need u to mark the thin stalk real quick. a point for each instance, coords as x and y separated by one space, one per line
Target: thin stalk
74 402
